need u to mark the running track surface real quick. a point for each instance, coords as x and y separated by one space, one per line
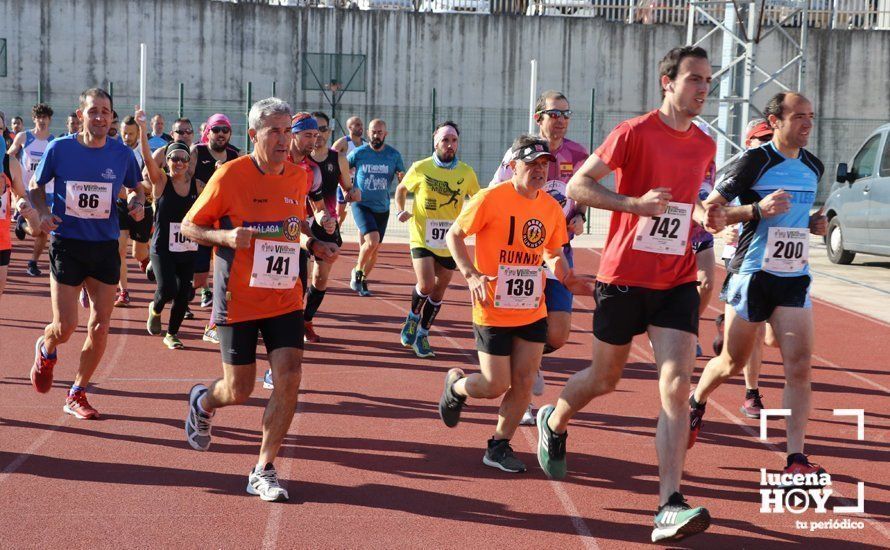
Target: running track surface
368 462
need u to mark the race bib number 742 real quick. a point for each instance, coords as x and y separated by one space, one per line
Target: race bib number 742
667 233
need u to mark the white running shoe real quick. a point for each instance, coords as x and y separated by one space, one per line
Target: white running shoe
197 424
528 418
538 388
265 484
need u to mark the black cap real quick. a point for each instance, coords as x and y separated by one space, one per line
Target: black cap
533 151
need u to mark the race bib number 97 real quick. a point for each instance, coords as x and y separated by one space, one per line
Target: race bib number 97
435 233
275 264
787 249
667 233
88 200
519 287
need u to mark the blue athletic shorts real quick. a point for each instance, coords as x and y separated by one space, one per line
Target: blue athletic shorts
369 221
755 296
556 295
340 198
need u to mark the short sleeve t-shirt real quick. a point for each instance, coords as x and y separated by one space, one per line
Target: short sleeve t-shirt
438 198
261 281
646 153
511 230
754 175
87 181
374 170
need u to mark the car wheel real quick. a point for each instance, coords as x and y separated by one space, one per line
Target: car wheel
834 242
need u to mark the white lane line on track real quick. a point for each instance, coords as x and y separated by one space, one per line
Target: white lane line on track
108 367
565 500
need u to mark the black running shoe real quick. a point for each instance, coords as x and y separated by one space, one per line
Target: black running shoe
500 455
450 404
676 520
20 228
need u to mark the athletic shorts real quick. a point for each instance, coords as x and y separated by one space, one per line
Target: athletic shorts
755 296
445 261
341 199
5 256
73 260
319 233
705 243
202 259
369 221
725 286
499 340
557 296
139 231
622 312
238 341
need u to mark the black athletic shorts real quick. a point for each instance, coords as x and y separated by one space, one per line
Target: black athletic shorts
238 341
5 256
499 340
139 231
445 261
319 233
71 261
622 312
202 259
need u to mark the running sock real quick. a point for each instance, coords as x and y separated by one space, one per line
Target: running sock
45 353
418 300
695 404
429 312
75 388
751 394
359 275
313 301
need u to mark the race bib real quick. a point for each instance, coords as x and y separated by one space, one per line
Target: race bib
276 264
88 200
435 233
787 249
667 233
179 242
518 287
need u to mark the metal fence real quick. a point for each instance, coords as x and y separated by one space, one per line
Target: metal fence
826 14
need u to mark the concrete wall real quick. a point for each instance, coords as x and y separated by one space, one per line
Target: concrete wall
477 64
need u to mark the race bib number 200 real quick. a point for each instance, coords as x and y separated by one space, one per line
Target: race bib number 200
667 233
88 200
275 264
519 287
787 249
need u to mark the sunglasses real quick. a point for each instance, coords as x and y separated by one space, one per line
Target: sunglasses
186 132
556 113
220 129
178 158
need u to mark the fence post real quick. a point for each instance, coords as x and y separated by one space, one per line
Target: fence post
274 88
590 141
433 127
111 89
181 99
247 116
39 91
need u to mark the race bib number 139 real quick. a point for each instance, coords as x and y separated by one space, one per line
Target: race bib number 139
519 287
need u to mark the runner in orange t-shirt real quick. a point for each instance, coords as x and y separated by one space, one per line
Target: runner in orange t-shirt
253 212
12 188
518 226
647 277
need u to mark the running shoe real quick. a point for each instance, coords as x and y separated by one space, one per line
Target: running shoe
188 314
267 381
539 386
206 297
197 424
718 340
42 369
210 334
409 330
354 282
799 463
363 288
528 417
84 299
500 455
309 334
76 405
122 299
676 520
696 414
172 342
20 228
698 351
752 406
450 404
264 483
422 347
551 446
153 324
146 268
33 270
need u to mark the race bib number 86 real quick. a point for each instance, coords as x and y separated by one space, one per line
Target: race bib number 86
88 200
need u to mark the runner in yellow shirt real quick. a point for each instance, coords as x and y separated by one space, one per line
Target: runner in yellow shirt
440 183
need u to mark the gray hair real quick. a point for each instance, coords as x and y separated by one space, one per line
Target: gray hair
265 108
